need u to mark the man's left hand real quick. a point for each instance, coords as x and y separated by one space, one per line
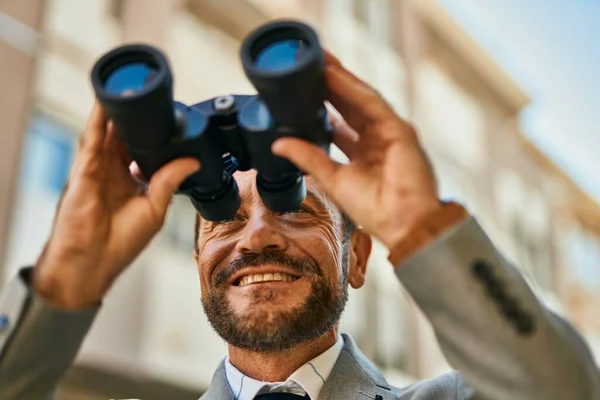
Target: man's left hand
389 183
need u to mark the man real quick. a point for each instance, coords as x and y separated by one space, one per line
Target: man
274 284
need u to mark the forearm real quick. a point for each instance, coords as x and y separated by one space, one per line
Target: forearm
491 326
39 343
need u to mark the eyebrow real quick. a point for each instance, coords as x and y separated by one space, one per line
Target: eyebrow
317 197
311 193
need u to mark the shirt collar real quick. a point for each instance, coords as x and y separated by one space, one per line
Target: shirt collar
310 377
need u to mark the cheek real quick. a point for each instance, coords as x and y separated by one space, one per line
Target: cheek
213 251
322 243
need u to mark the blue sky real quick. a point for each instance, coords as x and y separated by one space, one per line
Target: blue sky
551 48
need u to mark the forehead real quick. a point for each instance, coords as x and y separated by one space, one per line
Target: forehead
246 182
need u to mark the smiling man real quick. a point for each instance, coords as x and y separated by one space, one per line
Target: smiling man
274 285
272 282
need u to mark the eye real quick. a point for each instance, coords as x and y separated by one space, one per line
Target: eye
298 211
234 218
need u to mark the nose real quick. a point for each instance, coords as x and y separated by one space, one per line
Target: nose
262 234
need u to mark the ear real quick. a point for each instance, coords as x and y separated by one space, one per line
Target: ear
360 249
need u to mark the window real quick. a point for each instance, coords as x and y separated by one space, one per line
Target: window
375 16
454 184
116 9
450 117
180 222
48 152
524 214
386 326
583 252
392 333
538 246
360 11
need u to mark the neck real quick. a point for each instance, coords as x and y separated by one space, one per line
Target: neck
278 366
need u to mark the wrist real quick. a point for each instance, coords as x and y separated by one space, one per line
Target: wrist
426 230
65 294
408 219
63 284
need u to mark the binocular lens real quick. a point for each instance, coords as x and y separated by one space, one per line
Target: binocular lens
285 63
281 55
134 85
129 79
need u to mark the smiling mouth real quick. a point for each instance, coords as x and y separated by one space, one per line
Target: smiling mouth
264 278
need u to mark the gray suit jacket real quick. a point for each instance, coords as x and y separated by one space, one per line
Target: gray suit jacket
355 377
490 326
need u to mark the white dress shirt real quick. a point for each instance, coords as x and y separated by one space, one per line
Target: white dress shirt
308 379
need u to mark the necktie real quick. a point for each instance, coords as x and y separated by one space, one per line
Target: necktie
280 396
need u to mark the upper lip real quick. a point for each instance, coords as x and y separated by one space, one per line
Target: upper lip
261 270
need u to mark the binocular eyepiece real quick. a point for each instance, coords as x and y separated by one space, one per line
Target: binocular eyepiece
283 60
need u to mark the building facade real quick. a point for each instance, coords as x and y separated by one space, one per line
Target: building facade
151 336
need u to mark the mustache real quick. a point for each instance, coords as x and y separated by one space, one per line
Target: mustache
301 265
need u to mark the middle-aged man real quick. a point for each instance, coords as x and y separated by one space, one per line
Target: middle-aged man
274 285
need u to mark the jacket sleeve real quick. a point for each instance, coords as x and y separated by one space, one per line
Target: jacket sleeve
38 343
490 325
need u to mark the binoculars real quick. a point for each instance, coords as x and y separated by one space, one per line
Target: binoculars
283 60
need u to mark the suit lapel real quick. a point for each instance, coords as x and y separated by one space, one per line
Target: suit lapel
355 377
219 388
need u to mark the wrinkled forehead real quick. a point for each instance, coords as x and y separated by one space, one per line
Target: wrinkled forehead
246 182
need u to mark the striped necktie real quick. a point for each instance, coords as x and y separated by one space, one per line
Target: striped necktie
280 396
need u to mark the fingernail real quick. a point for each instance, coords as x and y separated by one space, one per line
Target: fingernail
275 147
332 58
134 168
338 122
194 163
278 147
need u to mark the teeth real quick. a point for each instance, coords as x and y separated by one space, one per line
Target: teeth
276 277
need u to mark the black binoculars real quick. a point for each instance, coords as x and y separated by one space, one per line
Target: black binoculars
283 60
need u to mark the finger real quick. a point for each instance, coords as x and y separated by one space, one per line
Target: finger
137 173
359 104
340 125
142 217
344 136
93 136
166 180
334 115
309 158
115 145
330 59
346 139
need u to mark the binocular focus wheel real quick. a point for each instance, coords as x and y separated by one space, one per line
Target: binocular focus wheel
283 199
221 208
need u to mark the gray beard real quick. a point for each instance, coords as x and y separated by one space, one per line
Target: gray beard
264 331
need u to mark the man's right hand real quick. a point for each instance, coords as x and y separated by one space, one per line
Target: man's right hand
104 219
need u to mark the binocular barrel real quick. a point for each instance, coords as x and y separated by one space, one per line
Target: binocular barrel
134 85
283 60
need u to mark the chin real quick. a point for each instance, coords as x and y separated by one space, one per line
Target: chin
274 316
268 298
267 320
269 312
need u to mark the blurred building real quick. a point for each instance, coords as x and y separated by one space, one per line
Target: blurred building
151 338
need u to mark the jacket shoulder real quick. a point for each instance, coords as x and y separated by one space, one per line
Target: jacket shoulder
447 386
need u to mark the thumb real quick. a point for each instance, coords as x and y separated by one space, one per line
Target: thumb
309 158
167 179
